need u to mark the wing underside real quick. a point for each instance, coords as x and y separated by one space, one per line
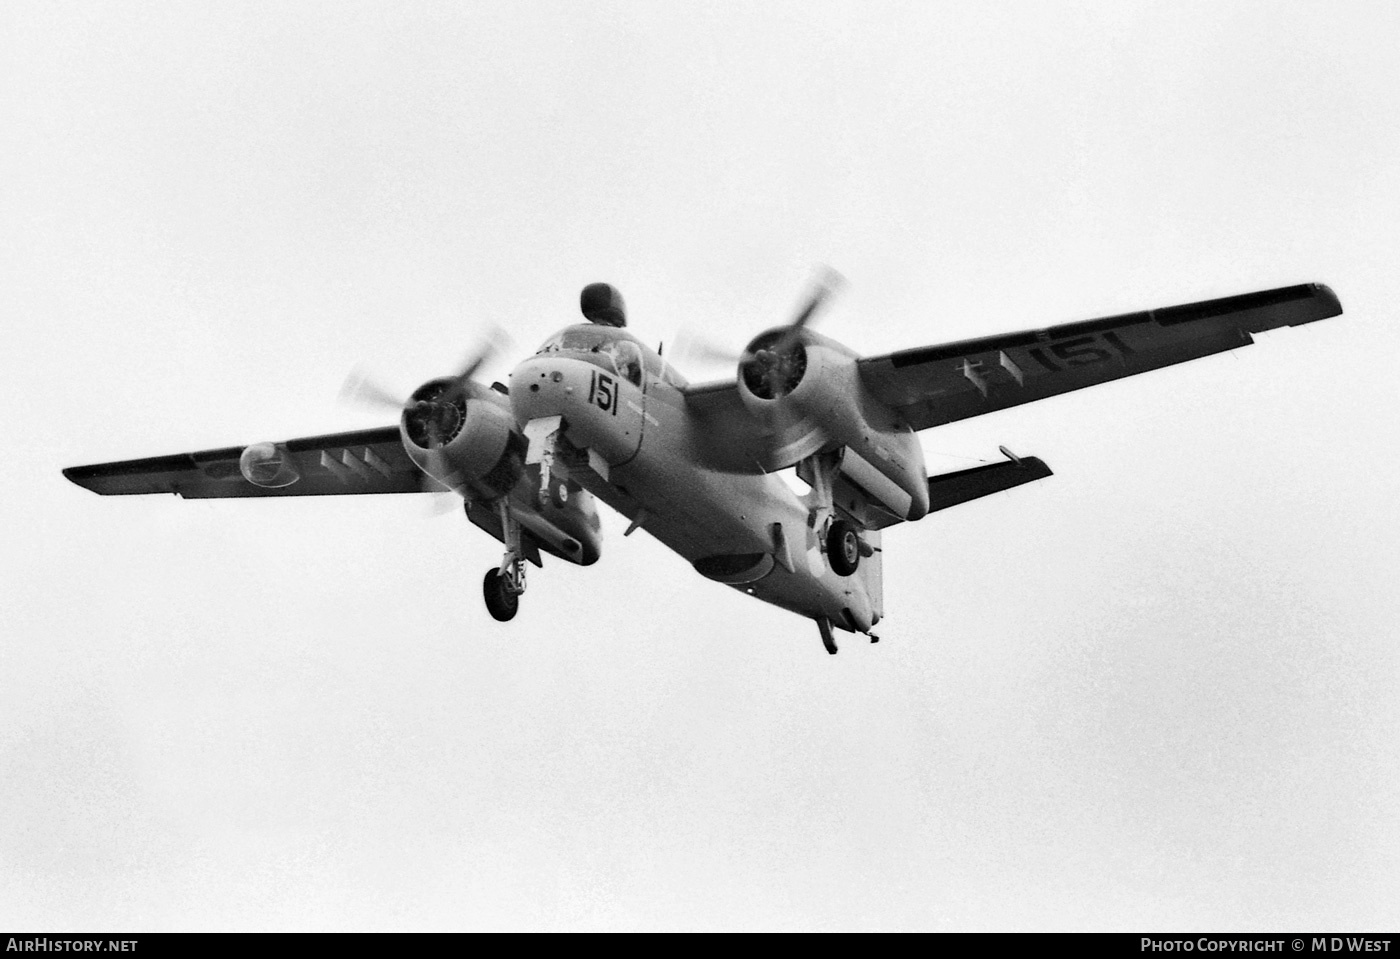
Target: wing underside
941 384
365 461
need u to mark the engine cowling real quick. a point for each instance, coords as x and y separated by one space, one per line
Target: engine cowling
464 438
806 389
781 382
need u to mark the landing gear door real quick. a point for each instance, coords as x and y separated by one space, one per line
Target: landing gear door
872 573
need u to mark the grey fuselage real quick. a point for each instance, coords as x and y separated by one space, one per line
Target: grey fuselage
619 400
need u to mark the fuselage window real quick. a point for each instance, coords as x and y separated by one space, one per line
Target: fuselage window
629 361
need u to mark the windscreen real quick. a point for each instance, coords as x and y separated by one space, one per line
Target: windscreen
615 350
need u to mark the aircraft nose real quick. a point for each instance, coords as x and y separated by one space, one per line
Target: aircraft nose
541 387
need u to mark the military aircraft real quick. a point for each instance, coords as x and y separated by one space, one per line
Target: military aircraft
596 414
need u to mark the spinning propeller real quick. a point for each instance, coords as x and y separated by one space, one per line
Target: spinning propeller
435 412
826 284
772 365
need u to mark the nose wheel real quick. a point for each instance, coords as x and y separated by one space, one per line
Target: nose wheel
501 603
504 585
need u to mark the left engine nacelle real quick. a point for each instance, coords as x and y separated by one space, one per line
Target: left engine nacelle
463 438
268 465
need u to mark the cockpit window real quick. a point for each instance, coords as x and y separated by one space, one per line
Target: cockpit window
629 361
613 349
582 339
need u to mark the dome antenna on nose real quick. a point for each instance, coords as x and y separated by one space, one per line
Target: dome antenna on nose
602 304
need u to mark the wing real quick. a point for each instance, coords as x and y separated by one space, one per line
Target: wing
366 461
940 384
729 438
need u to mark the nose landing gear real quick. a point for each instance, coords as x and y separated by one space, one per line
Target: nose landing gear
545 436
505 584
501 603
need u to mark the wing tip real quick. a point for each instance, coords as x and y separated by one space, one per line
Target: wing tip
90 478
79 476
1038 466
112 479
1328 300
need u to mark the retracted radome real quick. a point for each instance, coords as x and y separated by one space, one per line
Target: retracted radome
601 303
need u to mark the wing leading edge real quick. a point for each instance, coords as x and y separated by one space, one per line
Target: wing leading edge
940 384
365 461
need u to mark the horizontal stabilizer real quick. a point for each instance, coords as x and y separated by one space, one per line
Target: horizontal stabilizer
950 489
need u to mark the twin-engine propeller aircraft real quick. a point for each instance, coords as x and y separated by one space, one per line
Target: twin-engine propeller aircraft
596 413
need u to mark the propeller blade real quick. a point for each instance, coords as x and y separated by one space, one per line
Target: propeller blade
789 425
491 342
442 498
443 501
773 372
692 347
360 387
434 430
826 284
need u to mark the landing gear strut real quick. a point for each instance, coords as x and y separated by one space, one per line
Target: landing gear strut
839 538
545 436
504 585
819 472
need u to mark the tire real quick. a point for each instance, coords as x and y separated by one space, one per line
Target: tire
500 602
559 493
843 548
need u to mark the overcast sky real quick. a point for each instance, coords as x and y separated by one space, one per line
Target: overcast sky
1156 691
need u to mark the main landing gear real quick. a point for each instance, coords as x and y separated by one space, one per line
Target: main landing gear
843 547
840 539
504 585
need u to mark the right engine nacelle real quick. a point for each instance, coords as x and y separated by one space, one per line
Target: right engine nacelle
806 389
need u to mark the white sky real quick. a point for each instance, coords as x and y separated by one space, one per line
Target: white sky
1156 691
